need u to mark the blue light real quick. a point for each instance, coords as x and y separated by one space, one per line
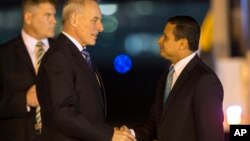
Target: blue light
122 63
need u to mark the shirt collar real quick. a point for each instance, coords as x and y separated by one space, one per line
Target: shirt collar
30 41
76 43
179 66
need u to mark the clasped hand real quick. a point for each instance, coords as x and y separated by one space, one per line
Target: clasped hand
122 134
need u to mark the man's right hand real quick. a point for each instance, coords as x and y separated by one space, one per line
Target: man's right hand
31 97
122 136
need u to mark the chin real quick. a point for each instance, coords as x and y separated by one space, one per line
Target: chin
92 43
51 35
162 54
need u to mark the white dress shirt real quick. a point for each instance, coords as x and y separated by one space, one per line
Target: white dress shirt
30 44
179 66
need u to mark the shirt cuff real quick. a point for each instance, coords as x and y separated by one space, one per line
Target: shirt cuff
132 132
28 108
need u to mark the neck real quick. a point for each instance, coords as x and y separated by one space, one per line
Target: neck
182 56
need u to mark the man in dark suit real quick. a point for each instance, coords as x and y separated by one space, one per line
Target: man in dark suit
188 103
70 89
18 66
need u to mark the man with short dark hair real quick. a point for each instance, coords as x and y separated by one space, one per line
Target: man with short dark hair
188 102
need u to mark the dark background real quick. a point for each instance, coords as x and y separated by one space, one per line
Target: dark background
18 2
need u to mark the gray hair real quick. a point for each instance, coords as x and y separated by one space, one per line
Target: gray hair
71 7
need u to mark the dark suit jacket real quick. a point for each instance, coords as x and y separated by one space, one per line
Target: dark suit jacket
71 99
17 75
193 110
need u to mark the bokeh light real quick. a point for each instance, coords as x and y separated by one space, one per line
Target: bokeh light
144 7
110 23
142 43
234 114
108 9
122 63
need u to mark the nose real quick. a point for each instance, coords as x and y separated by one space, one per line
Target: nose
53 19
100 26
160 41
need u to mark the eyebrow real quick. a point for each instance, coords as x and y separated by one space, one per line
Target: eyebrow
165 34
97 18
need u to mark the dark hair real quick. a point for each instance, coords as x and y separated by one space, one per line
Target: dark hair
28 3
186 27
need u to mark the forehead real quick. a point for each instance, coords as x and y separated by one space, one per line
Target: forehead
92 9
169 28
43 7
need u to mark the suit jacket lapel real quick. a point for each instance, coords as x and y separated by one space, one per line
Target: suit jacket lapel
77 56
102 88
83 63
178 84
24 55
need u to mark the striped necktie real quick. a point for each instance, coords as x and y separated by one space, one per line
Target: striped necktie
39 54
86 56
168 83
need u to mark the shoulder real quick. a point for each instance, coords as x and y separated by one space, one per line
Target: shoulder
11 44
200 72
197 66
206 74
56 55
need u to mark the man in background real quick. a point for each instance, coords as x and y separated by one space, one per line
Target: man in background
70 89
20 58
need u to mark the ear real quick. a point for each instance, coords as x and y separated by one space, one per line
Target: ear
74 20
28 17
183 44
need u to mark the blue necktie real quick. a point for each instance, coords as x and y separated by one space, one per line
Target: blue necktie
169 83
87 57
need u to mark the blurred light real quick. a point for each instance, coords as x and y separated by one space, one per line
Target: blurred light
122 63
110 23
106 39
144 7
142 42
11 16
133 44
234 114
108 9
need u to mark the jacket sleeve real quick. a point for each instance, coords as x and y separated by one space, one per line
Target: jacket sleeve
12 100
208 109
146 131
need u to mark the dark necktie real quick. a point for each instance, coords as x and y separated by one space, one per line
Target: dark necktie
169 83
86 56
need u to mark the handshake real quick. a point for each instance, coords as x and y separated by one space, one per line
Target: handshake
123 134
